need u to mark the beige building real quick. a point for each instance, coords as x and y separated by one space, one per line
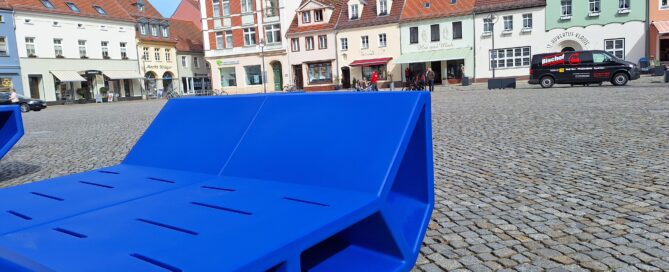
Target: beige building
368 36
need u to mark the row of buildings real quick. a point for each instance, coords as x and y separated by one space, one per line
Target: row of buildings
68 50
325 44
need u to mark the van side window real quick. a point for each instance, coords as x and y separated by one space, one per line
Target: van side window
600 58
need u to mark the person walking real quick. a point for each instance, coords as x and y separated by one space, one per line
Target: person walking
13 97
430 75
422 81
407 76
374 81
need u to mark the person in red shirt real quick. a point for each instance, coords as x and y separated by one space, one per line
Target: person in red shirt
375 79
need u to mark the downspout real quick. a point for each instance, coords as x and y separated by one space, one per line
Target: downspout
474 49
648 41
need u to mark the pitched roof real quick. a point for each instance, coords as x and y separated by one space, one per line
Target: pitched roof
368 16
295 28
130 6
4 5
189 10
188 36
114 10
483 6
415 10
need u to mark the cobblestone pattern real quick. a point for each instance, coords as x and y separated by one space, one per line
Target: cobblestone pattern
566 179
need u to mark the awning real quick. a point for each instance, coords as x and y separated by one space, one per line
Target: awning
370 62
122 74
662 26
67 76
436 55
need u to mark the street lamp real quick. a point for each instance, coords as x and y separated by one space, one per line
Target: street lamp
493 19
264 73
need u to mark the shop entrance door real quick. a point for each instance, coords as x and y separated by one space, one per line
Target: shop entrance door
346 77
436 68
35 81
297 72
127 87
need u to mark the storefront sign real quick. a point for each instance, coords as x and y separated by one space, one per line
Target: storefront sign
569 35
92 72
161 66
369 52
227 62
434 46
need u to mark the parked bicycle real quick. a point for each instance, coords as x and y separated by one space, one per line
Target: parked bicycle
172 94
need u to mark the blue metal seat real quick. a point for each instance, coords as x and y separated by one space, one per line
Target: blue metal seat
11 128
297 182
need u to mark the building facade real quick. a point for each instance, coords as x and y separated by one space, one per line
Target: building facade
10 68
438 36
245 43
368 36
193 69
519 32
658 34
72 50
313 45
615 26
155 46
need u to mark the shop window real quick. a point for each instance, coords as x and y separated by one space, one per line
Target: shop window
510 57
615 47
228 77
380 71
320 72
253 75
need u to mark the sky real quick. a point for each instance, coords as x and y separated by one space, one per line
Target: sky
166 7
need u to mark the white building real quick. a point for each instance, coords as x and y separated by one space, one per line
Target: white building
518 34
72 49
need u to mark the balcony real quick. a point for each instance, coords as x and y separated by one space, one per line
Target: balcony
272 15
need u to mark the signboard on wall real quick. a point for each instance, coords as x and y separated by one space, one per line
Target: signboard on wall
568 36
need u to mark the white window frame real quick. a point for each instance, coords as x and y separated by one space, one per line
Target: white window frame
124 50
229 43
295 44
566 9
104 47
273 34
58 47
154 30
4 49
309 43
196 62
250 36
594 7
487 26
364 42
525 57
354 12
168 55
165 30
383 7
665 5
226 8
184 61
156 54
344 44
247 6
219 40
615 49
146 54
323 42
508 23
216 8
30 46
318 15
306 17
528 21
383 40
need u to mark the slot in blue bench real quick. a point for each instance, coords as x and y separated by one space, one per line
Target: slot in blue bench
11 128
291 182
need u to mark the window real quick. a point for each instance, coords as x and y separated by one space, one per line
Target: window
320 72
435 33
566 8
322 42
142 29
58 47
624 4
146 54
3 46
166 32
615 47
510 57
527 21
318 15
30 46
508 23
594 6
365 42
73 7
368 70
250 36
154 30
273 33
124 50
383 7
253 75
383 40
453 2
47 4
295 44
219 40
600 58
184 61
309 43
168 55
196 62
105 49
100 10
487 25
156 54
216 7
228 77
247 6
306 17
457 30
228 39
2 19
664 4
82 49
413 35
226 7
354 11
344 44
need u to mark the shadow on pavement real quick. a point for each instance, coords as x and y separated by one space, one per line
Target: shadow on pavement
11 170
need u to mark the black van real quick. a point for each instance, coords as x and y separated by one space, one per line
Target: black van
581 68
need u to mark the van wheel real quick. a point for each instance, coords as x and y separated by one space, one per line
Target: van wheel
547 82
620 79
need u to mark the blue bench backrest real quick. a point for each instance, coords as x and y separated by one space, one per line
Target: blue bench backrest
11 128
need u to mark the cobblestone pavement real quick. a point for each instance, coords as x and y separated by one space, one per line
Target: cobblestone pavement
566 179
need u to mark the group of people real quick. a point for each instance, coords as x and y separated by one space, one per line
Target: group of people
420 81
363 85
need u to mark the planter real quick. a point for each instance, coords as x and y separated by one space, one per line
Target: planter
659 70
501 83
454 81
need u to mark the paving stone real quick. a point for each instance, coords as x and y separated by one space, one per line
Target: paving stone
594 265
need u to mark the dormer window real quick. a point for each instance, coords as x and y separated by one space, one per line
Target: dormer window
318 15
383 7
47 4
142 29
154 30
73 7
140 5
354 12
100 10
166 32
306 17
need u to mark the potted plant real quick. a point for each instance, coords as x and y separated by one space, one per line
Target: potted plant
82 95
84 57
32 56
60 57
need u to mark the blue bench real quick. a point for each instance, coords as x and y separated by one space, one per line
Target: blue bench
11 128
291 182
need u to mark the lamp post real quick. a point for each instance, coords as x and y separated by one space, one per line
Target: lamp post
493 20
264 73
